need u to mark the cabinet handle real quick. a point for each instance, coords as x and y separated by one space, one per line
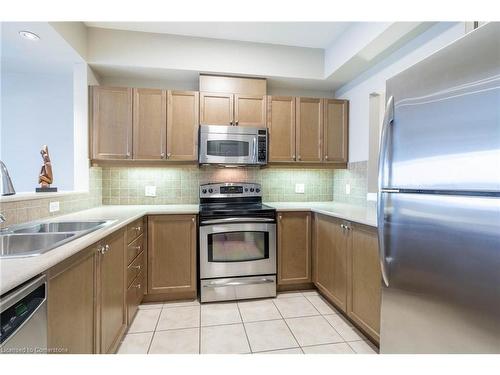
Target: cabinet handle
280 217
236 123
293 157
138 286
137 267
231 123
137 247
162 155
326 157
127 154
138 229
106 248
101 250
193 219
169 155
300 158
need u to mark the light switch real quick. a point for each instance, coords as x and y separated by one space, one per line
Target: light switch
299 188
150 191
54 206
348 189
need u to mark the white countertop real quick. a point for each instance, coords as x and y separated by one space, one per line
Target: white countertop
359 214
15 271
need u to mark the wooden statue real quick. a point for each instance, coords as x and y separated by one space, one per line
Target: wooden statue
45 177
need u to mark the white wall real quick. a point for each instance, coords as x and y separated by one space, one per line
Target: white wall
36 110
373 80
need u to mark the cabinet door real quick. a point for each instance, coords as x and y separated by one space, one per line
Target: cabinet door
336 124
150 124
330 259
216 109
250 110
309 124
112 267
111 123
182 125
71 308
364 295
172 254
281 123
294 248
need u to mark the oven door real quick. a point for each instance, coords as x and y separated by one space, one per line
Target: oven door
228 148
230 250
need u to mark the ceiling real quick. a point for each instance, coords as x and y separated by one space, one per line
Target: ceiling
298 34
49 55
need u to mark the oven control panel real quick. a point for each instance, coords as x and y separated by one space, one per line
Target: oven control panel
230 189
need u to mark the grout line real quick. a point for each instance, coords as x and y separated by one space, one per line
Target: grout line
154 332
297 341
199 333
244 328
275 350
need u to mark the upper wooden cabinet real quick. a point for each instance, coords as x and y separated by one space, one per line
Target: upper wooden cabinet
309 123
281 123
162 124
182 125
330 259
150 119
216 108
294 248
172 255
335 133
111 122
250 110
364 297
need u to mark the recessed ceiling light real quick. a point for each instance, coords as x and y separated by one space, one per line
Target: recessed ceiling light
29 35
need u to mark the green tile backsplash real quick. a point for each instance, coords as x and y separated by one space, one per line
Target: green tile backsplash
356 175
126 185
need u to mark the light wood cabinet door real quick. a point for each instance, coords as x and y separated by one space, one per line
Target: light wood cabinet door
309 125
330 259
281 123
111 301
364 297
150 124
182 125
250 110
172 254
111 122
335 134
294 248
216 108
71 308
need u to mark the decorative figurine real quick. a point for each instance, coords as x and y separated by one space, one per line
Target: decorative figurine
45 177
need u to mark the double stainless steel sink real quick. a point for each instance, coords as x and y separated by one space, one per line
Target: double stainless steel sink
38 238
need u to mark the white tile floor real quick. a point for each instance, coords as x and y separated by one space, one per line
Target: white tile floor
291 323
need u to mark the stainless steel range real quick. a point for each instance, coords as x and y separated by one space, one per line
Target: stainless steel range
237 243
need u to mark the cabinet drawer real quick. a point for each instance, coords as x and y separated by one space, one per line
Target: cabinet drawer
134 230
135 268
135 248
135 293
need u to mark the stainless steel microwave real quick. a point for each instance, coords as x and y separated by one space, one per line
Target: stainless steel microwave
232 145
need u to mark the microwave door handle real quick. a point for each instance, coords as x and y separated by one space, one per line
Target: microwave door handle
254 153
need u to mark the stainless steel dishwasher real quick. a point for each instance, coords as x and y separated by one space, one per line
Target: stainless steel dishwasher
23 315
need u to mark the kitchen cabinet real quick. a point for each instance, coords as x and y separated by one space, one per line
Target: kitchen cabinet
70 304
309 128
182 125
111 122
335 131
149 124
294 248
111 307
330 259
364 294
172 256
136 261
281 123
232 109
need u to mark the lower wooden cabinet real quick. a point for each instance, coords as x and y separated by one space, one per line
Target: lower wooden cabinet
172 256
364 297
111 308
135 294
71 308
330 259
294 248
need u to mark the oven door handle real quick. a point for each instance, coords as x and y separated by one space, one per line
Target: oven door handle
238 283
239 220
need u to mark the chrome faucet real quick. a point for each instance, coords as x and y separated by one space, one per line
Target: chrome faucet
6 188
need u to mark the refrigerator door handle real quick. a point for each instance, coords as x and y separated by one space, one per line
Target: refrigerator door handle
382 161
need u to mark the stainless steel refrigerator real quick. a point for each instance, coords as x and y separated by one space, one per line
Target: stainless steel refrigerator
439 201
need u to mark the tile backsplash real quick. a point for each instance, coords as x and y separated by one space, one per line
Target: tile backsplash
20 211
126 185
356 175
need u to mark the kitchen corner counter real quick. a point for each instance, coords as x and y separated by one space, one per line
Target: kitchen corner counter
366 215
15 271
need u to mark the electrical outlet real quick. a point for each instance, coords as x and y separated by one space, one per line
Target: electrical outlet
348 189
299 188
54 206
150 191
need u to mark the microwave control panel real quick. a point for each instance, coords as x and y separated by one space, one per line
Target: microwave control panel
262 149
